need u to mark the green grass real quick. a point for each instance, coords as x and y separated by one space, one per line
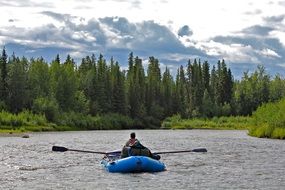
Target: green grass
27 121
266 131
23 122
268 121
175 122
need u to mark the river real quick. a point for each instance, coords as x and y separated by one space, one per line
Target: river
234 161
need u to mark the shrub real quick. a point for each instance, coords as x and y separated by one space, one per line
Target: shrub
169 122
176 122
88 122
269 120
23 119
278 133
47 106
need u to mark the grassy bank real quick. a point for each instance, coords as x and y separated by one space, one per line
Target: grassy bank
24 121
268 121
176 122
27 121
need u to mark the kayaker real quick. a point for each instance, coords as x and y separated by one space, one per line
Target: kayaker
133 147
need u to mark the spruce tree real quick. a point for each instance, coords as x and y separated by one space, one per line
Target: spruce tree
167 94
17 82
179 93
119 94
3 77
153 90
103 85
38 78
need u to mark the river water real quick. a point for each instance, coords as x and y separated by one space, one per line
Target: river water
233 161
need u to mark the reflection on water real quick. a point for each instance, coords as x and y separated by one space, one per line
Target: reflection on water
233 161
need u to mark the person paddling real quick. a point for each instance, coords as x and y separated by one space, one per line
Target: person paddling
133 147
133 142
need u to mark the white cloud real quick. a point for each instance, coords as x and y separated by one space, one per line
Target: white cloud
207 18
83 35
231 52
279 35
77 54
248 31
269 53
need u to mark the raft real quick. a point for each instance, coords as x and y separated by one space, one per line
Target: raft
133 164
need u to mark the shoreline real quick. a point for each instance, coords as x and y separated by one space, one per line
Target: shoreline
5 133
16 134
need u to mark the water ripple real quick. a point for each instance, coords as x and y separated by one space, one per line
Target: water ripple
233 161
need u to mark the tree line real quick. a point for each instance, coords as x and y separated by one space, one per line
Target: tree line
147 95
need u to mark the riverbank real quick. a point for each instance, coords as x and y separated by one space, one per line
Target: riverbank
221 123
254 125
7 131
259 125
26 121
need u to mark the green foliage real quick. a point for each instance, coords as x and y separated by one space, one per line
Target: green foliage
116 121
27 121
76 120
3 76
3 105
278 133
176 122
17 82
59 90
88 122
118 89
148 122
153 83
252 91
167 93
38 78
179 105
171 122
25 118
48 107
269 120
81 103
272 114
103 84
277 88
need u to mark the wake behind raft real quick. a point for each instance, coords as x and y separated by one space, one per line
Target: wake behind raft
113 162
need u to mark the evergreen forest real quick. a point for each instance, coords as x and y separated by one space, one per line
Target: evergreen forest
98 94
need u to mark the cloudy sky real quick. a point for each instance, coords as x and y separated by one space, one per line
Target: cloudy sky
245 33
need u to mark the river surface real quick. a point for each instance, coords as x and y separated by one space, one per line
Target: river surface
234 161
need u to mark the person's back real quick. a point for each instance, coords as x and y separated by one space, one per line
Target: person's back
133 142
133 147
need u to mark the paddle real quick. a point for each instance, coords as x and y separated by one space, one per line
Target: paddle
63 149
182 151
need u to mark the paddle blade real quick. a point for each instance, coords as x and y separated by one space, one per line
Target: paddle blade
199 150
182 151
114 152
59 149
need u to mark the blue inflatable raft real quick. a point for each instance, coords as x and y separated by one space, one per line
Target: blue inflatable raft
133 164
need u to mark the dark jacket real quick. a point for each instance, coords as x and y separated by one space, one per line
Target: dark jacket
133 147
